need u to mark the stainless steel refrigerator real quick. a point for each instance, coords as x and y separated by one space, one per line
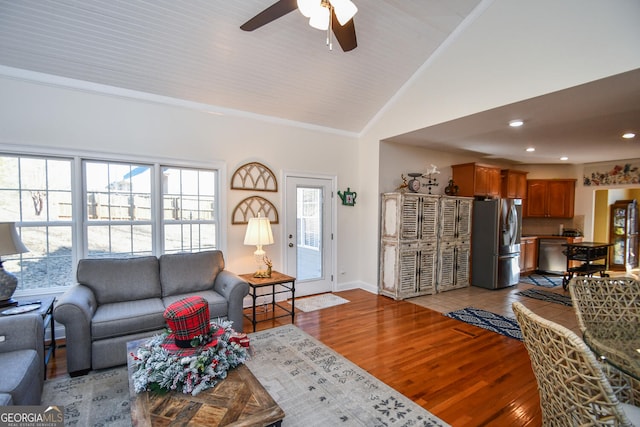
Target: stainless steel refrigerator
495 243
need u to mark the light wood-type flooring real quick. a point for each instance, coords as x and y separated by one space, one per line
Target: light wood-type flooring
465 375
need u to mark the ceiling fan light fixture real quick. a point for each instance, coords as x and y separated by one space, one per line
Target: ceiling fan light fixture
306 7
320 18
516 123
345 10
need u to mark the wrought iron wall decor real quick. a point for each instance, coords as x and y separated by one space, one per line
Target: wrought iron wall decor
254 176
250 207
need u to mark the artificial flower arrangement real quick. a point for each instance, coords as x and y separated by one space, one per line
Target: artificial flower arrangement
158 369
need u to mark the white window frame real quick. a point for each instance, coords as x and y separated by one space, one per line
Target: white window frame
78 195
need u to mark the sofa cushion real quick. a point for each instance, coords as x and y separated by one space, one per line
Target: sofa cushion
127 317
218 305
120 279
189 272
20 376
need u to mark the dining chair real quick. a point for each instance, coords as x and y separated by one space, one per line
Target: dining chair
574 390
610 305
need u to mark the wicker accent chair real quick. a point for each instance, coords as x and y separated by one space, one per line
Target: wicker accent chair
611 306
573 388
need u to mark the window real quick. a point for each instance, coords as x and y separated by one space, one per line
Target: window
36 194
188 209
127 210
309 200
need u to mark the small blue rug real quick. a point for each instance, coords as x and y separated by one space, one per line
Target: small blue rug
542 280
546 296
488 320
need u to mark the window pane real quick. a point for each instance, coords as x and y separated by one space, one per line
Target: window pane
189 238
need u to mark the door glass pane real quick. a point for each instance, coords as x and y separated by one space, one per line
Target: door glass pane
309 232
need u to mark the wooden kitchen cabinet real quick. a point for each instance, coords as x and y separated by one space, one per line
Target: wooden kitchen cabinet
528 255
514 184
550 198
475 179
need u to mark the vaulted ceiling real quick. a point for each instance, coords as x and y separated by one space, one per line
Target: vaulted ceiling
194 50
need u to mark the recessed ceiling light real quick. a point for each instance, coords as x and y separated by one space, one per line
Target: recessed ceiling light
564 158
531 149
516 123
628 135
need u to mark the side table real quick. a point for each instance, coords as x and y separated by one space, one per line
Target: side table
46 311
286 283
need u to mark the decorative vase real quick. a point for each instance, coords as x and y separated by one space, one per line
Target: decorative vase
451 189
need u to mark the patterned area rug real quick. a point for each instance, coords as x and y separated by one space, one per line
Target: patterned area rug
488 320
100 398
318 302
546 296
546 281
314 385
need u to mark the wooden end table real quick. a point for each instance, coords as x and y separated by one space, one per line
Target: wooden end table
286 283
238 400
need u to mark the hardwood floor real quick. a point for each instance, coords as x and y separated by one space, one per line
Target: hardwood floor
465 375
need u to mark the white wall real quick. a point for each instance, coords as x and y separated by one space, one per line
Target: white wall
513 50
53 118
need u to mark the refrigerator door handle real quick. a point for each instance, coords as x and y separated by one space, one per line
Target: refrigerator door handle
513 225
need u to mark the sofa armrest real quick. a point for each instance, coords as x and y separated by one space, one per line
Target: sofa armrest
22 332
74 310
234 289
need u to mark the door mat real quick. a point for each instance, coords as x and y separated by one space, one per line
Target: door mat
318 302
546 296
546 281
488 320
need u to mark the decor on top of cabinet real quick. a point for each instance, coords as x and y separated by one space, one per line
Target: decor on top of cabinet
252 207
414 183
254 176
431 179
451 189
404 186
348 197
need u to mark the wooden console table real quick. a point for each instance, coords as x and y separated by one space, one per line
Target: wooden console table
287 284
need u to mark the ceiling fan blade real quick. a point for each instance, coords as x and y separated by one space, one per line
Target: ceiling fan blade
345 34
273 12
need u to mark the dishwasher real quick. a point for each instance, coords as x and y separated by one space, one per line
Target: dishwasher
551 256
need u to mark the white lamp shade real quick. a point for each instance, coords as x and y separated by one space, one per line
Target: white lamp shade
258 232
344 10
306 7
320 18
10 242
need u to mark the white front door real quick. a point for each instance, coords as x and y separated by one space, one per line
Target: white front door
308 231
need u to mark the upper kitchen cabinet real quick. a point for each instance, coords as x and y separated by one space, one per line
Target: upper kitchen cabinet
550 198
514 184
475 179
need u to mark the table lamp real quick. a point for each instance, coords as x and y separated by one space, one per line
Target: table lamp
10 244
259 234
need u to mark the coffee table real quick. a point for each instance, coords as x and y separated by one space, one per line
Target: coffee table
238 400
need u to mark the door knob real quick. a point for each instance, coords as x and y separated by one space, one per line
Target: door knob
290 245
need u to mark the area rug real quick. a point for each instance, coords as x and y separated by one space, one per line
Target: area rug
318 302
546 296
314 385
546 281
488 320
100 398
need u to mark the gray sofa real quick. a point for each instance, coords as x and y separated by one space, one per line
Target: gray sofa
118 300
21 359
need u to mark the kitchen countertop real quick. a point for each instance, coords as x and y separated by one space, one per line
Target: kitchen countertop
550 236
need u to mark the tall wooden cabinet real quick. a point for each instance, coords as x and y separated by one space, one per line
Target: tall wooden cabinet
550 198
412 260
454 243
623 233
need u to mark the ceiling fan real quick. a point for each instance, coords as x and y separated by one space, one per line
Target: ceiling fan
331 15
